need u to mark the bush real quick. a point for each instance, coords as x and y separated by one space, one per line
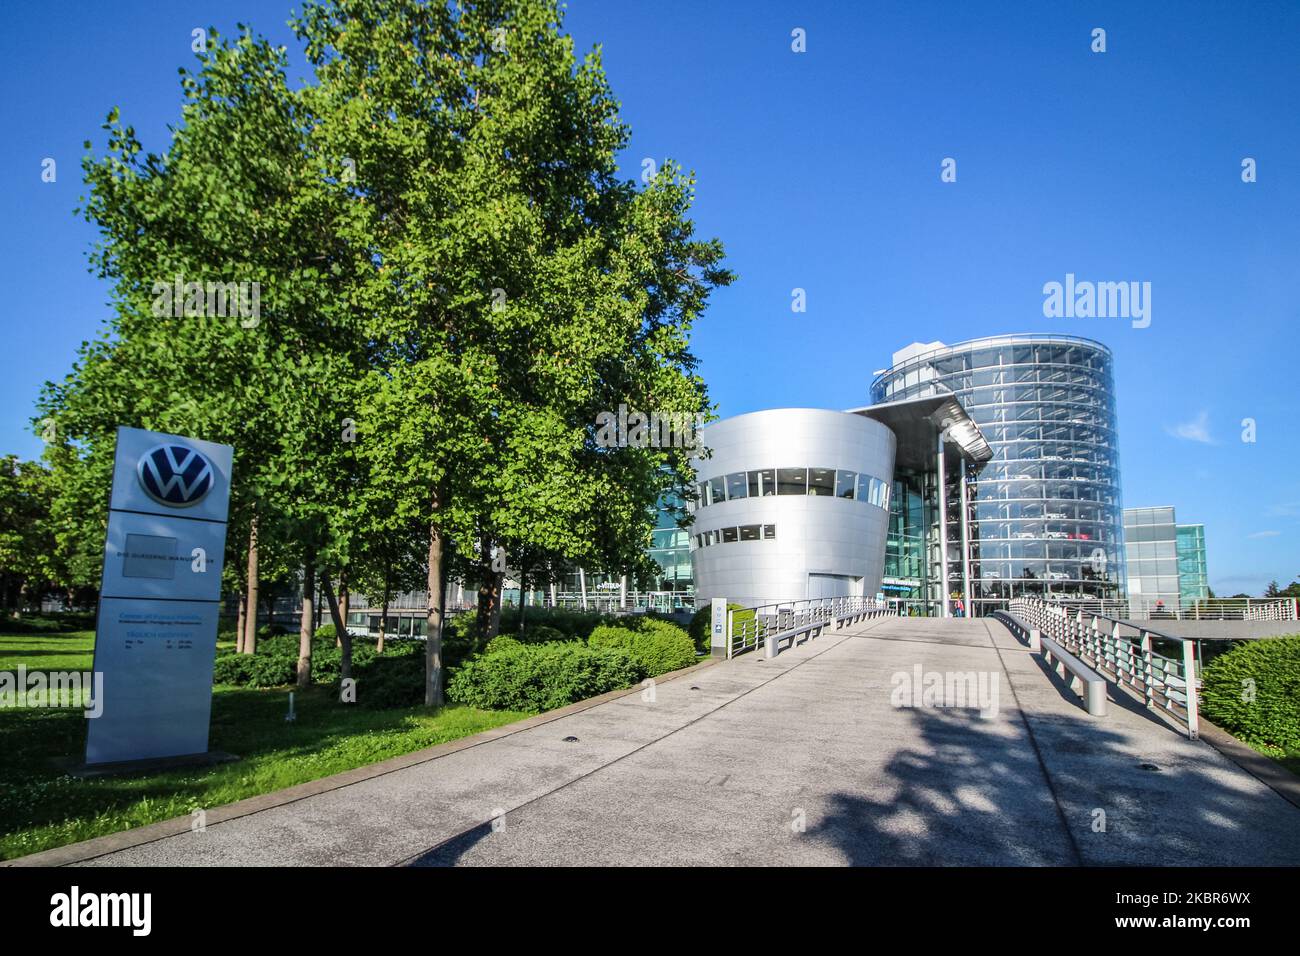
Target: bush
575 624
460 639
543 634
391 680
325 632
255 670
1271 721
701 625
56 623
270 630
502 642
537 677
658 649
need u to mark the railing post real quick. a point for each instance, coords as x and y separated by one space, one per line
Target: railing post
1146 670
1189 679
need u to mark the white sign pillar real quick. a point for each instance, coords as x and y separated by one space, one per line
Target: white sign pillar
156 634
719 638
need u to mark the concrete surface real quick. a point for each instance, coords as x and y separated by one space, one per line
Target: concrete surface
799 760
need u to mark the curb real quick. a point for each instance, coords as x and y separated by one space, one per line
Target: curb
1268 771
126 839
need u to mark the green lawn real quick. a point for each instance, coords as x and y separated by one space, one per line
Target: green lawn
41 807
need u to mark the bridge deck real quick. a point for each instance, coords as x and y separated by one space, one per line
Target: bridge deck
804 760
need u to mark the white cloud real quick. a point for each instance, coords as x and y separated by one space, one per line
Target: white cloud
1198 429
1264 534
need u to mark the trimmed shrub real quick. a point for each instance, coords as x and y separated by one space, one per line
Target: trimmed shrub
1253 691
537 677
325 632
543 634
460 639
657 649
572 623
395 680
502 642
255 670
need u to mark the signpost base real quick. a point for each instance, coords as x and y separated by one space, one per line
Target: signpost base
85 771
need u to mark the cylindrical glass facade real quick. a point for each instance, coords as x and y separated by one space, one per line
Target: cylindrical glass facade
1045 515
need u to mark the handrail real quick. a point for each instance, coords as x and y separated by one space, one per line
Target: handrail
1165 683
768 624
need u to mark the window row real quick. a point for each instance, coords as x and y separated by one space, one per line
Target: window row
827 482
745 532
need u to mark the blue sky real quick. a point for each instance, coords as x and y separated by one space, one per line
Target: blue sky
821 171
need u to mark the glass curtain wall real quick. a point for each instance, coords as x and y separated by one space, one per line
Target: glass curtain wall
1046 510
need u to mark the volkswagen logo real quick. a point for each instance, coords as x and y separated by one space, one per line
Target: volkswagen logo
175 475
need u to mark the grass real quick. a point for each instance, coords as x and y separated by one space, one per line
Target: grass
42 807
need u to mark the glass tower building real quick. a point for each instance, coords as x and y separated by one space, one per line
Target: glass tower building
1193 577
1151 539
1044 515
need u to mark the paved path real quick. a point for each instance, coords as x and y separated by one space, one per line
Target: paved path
798 760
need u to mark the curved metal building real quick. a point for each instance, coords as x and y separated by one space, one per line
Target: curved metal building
792 503
1044 513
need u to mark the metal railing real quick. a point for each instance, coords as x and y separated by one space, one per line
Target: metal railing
1158 668
1210 609
767 625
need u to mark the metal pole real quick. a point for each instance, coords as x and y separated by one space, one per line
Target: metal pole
1189 678
941 496
965 546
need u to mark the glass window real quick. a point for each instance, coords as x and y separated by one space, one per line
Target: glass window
845 482
864 487
821 481
704 494
769 531
762 483
873 493
749 532
792 481
884 495
728 534
717 490
736 485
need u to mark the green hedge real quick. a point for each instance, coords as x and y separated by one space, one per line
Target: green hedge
502 642
658 646
576 624
1271 721
255 670
537 677
393 679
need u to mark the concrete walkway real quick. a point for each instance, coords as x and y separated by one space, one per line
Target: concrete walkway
800 760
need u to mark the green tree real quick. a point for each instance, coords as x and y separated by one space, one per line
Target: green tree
27 567
518 287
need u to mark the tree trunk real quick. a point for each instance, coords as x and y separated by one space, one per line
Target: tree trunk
345 671
383 614
239 620
250 625
523 599
305 629
343 604
433 696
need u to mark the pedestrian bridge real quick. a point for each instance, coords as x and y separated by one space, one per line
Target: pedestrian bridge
853 747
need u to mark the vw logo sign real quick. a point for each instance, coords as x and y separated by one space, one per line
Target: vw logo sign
175 475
